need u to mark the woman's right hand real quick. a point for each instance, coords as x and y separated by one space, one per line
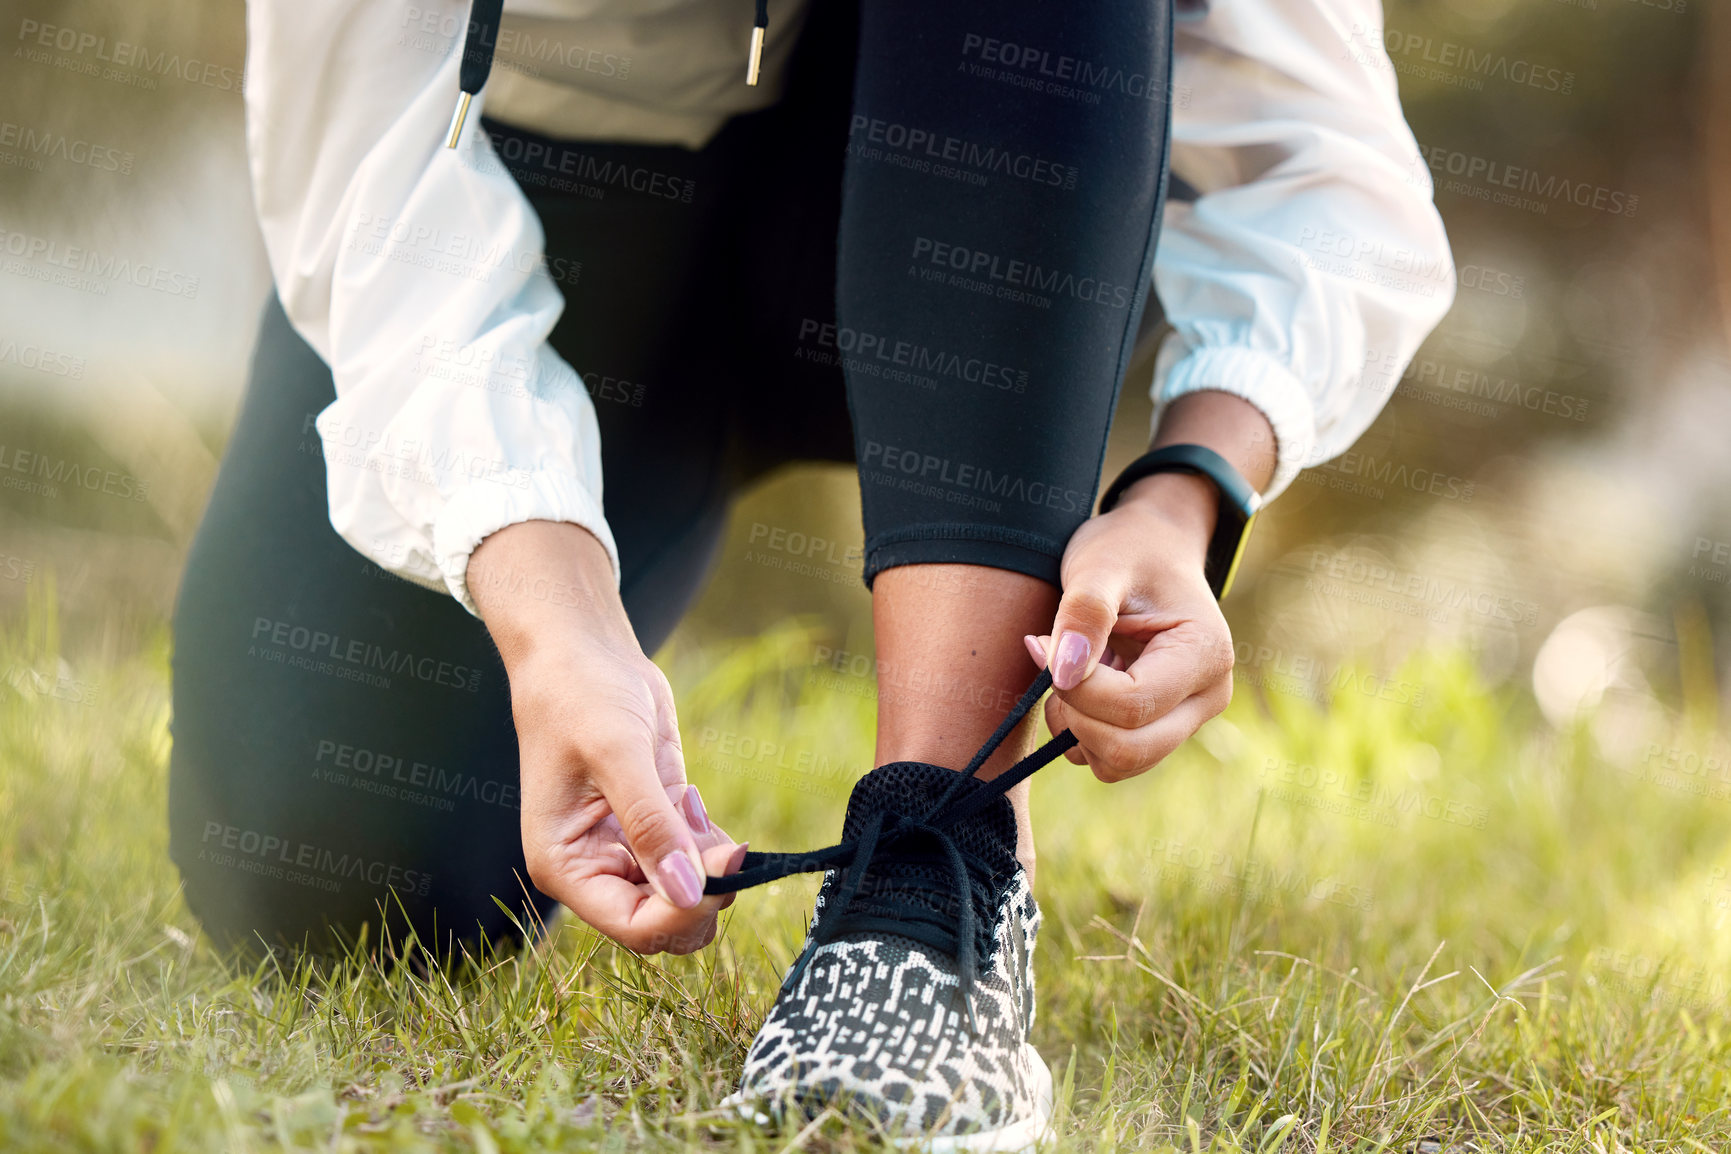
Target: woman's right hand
610 827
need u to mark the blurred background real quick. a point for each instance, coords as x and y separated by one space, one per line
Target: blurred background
1482 659
1547 488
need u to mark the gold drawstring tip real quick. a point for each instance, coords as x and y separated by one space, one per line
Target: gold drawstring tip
756 56
457 119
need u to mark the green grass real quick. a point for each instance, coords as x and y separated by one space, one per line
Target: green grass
1478 930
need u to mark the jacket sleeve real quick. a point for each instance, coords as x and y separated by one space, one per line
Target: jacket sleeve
1310 263
417 273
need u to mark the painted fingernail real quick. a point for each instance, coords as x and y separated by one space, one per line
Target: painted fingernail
736 858
1034 650
695 815
1070 660
679 880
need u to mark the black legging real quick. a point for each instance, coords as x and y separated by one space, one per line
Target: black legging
343 740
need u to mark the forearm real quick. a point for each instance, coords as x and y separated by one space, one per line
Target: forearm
542 583
1306 174
421 463
608 818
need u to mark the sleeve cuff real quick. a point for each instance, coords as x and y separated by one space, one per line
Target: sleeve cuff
483 509
1258 378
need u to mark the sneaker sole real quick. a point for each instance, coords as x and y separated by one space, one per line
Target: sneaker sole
1024 1134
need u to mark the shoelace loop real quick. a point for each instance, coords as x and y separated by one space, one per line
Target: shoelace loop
854 857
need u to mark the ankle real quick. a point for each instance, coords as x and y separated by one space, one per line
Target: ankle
949 739
951 661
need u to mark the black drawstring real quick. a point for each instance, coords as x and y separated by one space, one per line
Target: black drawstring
483 36
476 61
759 29
478 44
854 858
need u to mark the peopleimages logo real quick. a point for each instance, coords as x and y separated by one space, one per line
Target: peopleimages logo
352 653
913 464
36 36
564 160
93 262
406 779
805 545
1311 678
1398 475
1493 281
51 472
1426 373
1065 69
1018 273
40 143
1378 253
1711 561
1460 64
1526 180
473 257
857 343
266 853
513 47
41 359
345 443
936 146
1425 588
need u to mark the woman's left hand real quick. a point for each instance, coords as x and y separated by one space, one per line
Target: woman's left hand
1140 654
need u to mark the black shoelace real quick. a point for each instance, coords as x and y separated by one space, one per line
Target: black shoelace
482 37
952 925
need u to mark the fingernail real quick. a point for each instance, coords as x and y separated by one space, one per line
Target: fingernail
695 815
736 858
679 880
1070 660
1034 650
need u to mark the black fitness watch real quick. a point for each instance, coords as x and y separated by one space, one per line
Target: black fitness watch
1238 503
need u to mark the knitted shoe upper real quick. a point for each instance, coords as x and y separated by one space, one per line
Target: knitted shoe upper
913 995
909 886
879 1016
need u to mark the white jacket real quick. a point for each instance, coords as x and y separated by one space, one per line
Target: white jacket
1302 276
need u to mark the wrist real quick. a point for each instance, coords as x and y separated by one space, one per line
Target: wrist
1176 509
1187 501
1227 424
543 587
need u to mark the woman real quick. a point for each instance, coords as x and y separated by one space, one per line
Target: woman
411 663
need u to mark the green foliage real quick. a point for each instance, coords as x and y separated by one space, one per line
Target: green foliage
1335 926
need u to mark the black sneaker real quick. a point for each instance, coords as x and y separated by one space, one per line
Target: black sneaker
911 1002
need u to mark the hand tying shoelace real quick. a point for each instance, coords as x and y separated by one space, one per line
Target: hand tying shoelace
949 924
